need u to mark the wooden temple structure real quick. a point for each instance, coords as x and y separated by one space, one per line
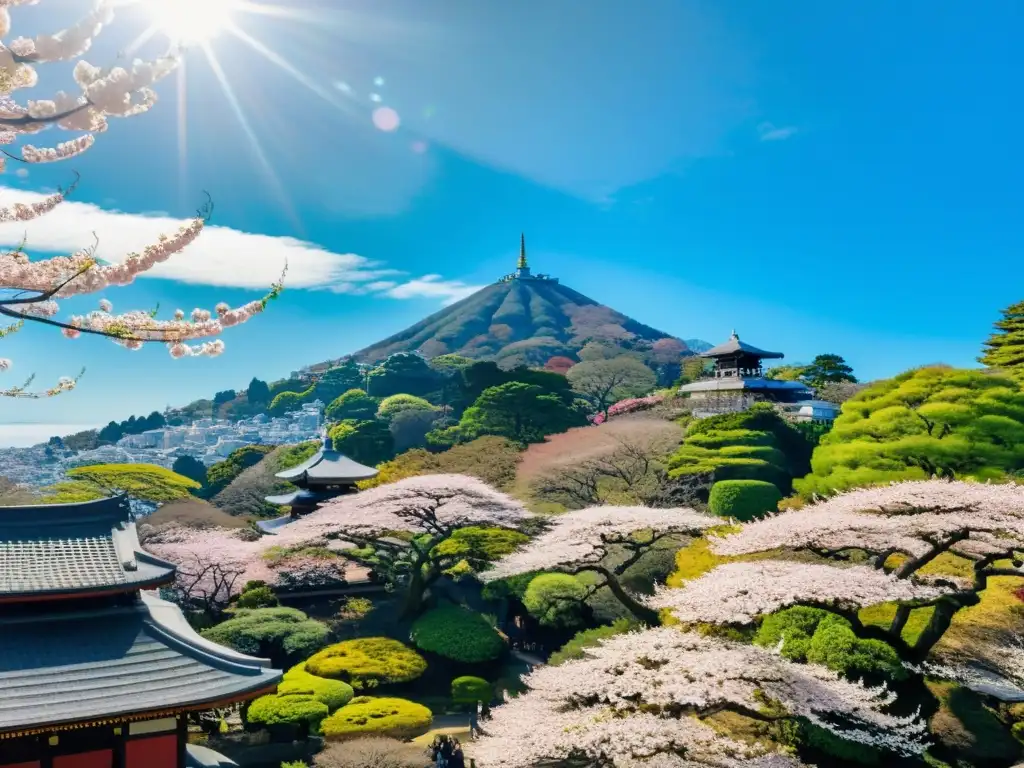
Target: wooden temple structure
324 476
737 380
96 671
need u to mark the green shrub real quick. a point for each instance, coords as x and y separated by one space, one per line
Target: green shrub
298 682
287 710
280 634
556 600
366 715
1017 729
588 638
469 690
258 597
371 752
392 406
367 662
743 500
457 634
825 741
295 764
511 587
817 636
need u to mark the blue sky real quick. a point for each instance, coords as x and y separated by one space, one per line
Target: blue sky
822 177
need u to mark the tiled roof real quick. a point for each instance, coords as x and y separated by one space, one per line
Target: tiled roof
65 668
58 548
734 346
328 465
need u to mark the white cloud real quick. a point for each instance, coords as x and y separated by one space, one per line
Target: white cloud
221 256
769 132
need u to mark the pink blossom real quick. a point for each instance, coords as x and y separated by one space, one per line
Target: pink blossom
62 151
634 404
901 517
22 212
664 674
585 536
737 593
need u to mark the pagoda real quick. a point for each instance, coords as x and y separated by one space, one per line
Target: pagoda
523 268
96 671
737 380
324 476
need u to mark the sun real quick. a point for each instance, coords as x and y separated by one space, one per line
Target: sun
192 21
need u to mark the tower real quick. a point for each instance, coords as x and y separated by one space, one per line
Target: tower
522 268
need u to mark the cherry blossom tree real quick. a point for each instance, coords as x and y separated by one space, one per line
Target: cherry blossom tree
638 699
29 288
581 541
917 520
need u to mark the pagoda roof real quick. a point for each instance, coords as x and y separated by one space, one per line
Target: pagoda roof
328 466
50 551
70 667
301 497
734 346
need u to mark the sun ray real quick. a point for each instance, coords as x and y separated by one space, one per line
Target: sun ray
243 121
275 58
182 93
144 37
278 11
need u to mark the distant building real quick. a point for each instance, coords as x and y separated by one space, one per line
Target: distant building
95 669
523 268
324 476
812 410
738 381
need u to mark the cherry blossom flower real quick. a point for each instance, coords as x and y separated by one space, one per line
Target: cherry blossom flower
426 504
634 695
634 404
584 536
737 593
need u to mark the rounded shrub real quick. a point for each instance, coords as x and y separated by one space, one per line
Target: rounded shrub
287 710
743 499
469 690
371 752
372 716
392 406
258 597
556 600
367 662
457 634
298 682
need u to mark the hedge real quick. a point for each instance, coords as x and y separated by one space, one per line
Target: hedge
457 634
366 715
287 710
743 500
280 633
469 690
368 662
298 682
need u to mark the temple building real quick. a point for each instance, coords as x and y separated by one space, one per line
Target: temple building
738 381
324 476
523 268
96 671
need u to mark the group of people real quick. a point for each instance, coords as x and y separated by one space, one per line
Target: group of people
446 752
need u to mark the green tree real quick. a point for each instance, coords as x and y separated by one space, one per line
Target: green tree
143 482
827 369
285 402
339 379
409 428
190 467
450 364
933 421
222 473
557 600
225 396
258 393
353 404
605 382
404 372
794 372
368 442
283 635
1004 349
518 411
393 405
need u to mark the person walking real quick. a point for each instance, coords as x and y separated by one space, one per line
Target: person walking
474 720
447 747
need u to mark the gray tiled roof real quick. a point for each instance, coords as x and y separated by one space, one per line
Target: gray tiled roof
63 668
328 465
734 346
90 546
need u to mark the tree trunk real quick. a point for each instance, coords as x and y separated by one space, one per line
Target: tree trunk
939 622
646 616
414 592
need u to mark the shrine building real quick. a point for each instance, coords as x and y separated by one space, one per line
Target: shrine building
737 381
324 476
96 671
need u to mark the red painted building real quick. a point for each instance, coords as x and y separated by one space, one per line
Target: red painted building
96 671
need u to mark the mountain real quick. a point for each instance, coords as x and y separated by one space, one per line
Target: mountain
523 319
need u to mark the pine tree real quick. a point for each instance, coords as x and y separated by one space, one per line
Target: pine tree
1004 349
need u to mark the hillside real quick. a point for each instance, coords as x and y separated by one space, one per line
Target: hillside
517 321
